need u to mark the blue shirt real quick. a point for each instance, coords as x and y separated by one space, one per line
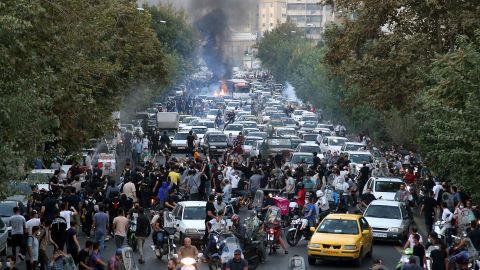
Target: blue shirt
310 207
138 147
101 221
308 184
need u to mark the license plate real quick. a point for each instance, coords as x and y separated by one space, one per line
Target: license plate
330 252
181 147
270 237
381 235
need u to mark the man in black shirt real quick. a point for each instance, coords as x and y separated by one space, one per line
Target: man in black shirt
367 198
191 137
364 174
428 210
418 249
210 214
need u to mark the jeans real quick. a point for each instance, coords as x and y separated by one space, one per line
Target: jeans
140 244
119 240
18 240
208 190
100 238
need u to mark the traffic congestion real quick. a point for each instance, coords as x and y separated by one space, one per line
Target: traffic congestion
237 178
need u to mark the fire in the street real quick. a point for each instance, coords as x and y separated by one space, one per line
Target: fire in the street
223 88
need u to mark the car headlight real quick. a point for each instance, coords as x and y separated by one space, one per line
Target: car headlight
394 229
314 245
349 247
213 147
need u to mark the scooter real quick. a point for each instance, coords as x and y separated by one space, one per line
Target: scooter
131 239
170 246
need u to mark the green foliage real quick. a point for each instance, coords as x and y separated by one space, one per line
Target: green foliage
66 65
450 115
277 47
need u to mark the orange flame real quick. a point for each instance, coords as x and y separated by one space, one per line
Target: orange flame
215 94
223 88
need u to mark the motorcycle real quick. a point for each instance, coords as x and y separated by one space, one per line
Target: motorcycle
131 239
464 258
190 263
254 251
273 219
441 228
169 231
405 258
299 228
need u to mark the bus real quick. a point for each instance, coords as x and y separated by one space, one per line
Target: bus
239 88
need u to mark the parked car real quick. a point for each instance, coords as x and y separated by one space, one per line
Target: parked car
389 220
179 142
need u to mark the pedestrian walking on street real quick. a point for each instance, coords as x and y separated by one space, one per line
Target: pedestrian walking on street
142 233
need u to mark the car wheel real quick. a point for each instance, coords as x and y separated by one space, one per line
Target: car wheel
311 260
358 261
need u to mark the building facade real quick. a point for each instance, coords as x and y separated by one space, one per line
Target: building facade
310 16
270 14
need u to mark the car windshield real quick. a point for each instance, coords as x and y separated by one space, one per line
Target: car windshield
258 134
277 116
217 138
187 120
383 211
199 130
249 125
213 112
302 159
298 112
194 213
207 124
39 177
353 147
234 127
250 141
360 158
289 121
276 123
338 226
310 118
6 209
336 141
279 143
309 148
180 136
283 132
309 125
310 137
387 186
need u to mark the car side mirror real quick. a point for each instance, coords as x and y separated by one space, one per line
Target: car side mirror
312 229
365 231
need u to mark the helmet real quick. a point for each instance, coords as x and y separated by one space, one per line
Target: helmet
300 184
319 193
235 218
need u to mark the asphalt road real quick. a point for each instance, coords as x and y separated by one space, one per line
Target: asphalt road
388 252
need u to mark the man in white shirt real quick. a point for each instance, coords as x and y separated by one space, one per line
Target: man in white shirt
436 190
130 191
67 214
34 221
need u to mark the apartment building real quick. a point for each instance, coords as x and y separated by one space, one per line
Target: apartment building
270 14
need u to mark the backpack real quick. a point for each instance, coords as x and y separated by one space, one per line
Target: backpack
90 204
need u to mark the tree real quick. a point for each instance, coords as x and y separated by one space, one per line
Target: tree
450 115
65 67
276 49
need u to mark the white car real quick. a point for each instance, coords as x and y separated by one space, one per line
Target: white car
357 158
186 121
212 114
383 188
248 124
190 220
309 147
332 143
232 105
389 220
353 146
41 177
200 132
179 142
235 129
300 157
250 141
285 132
207 123
297 114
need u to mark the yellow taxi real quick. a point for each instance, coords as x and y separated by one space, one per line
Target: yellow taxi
341 237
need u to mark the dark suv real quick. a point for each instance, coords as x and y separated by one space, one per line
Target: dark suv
215 144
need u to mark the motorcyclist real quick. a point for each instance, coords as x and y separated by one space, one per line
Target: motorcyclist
164 141
239 230
187 250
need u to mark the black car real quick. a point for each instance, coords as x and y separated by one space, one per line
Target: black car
215 144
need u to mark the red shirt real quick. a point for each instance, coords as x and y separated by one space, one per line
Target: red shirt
410 178
301 197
